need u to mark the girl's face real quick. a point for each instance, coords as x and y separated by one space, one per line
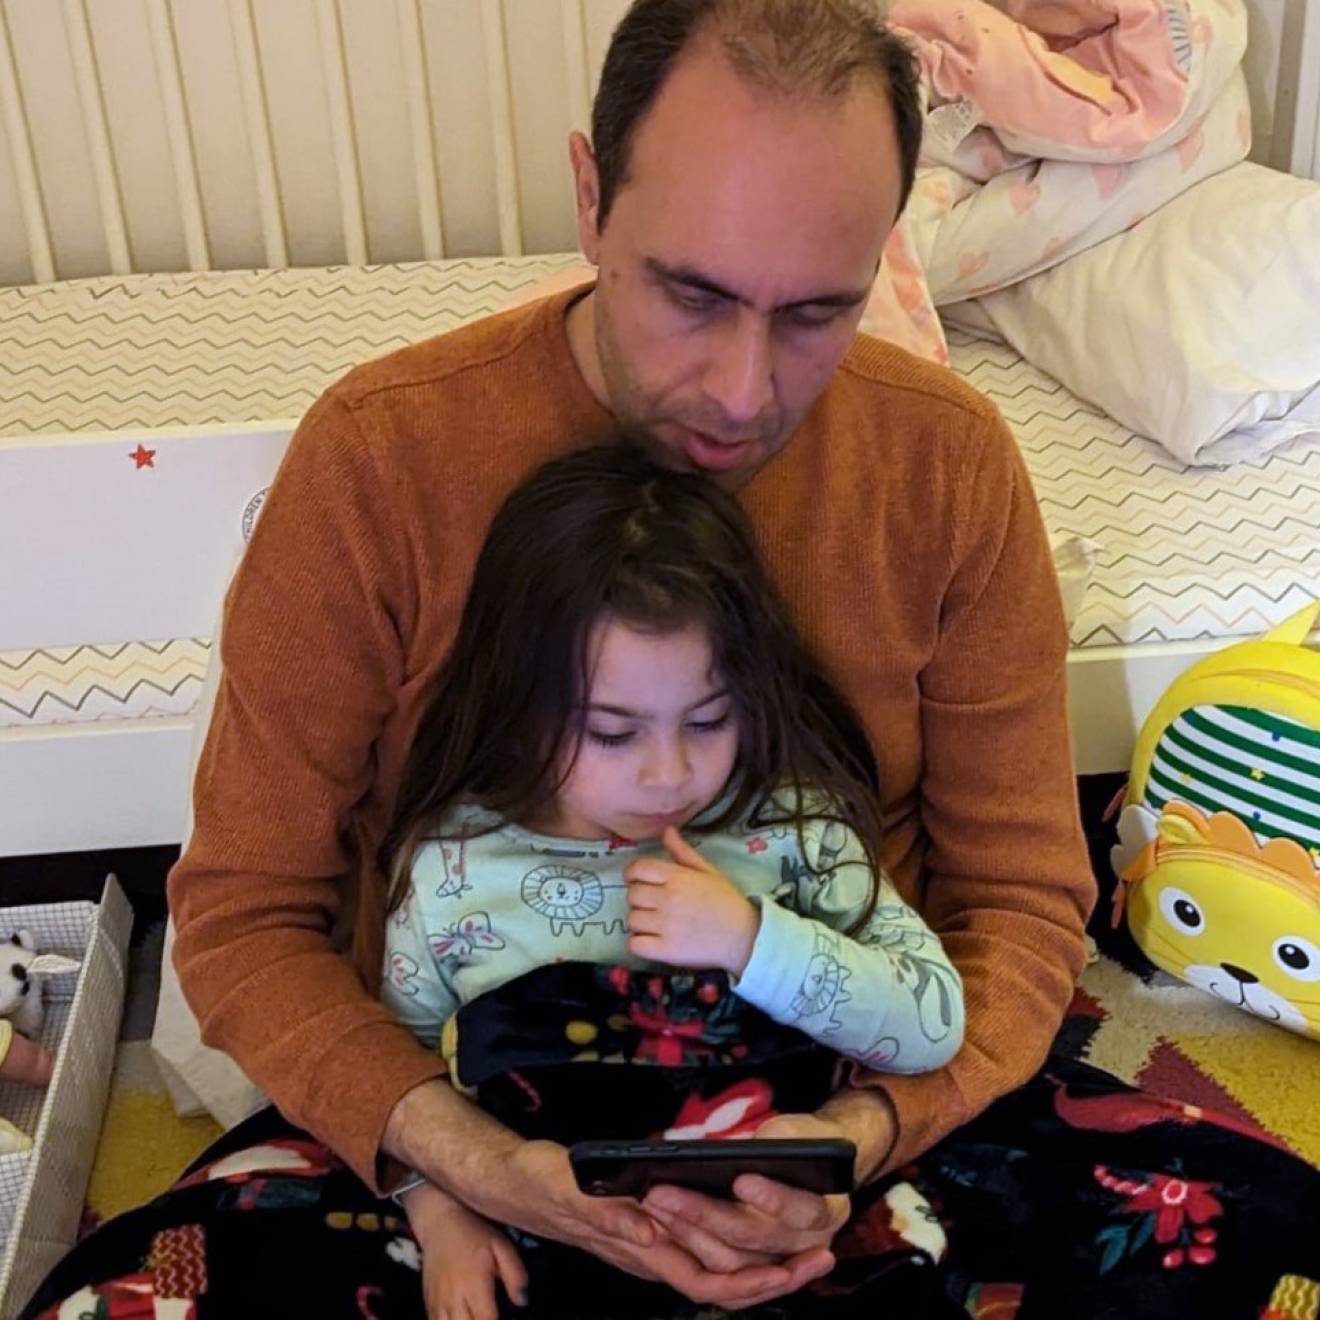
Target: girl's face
661 736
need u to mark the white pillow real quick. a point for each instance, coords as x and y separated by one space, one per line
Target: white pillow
1199 328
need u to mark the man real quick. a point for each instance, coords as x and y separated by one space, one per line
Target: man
749 158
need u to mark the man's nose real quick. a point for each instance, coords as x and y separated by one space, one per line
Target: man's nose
740 374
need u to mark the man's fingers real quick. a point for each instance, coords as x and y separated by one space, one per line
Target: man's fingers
680 1270
753 1286
809 1265
786 1219
732 1222
711 1251
618 1217
802 1270
791 1206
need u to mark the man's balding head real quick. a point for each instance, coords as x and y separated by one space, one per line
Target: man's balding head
789 49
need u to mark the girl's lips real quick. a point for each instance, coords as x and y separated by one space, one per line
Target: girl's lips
667 818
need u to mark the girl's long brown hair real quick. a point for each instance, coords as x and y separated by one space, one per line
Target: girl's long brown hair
606 533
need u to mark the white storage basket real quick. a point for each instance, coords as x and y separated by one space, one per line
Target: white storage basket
42 1190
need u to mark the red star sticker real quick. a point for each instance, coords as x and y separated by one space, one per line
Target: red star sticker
143 457
756 844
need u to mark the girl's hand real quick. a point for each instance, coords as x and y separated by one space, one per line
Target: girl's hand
23 1060
463 1257
686 913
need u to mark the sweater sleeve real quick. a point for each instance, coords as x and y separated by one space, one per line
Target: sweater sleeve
1007 884
886 996
312 661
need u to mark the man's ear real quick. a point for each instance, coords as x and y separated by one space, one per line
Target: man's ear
586 193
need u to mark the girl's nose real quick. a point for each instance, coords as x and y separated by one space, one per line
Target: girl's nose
667 764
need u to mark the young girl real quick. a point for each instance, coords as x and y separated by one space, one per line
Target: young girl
632 765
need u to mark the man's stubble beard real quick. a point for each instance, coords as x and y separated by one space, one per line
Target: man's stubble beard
631 408
627 402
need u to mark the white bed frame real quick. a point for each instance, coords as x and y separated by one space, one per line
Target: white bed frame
159 570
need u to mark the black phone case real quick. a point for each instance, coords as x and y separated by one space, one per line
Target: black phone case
631 1168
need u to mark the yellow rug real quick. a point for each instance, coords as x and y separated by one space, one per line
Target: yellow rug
1170 1038
144 1144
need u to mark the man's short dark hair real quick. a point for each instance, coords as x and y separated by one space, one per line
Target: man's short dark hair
793 48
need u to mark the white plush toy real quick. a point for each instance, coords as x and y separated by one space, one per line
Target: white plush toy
23 1009
22 976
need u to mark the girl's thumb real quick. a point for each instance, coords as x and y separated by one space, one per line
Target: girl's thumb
682 851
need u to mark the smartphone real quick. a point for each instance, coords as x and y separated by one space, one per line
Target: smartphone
631 1168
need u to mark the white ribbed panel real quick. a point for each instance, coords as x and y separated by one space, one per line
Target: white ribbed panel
1306 135
413 53
507 204
576 74
176 124
83 57
468 98
341 129
25 166
261 141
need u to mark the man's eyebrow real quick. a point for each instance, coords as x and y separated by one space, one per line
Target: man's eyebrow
691 278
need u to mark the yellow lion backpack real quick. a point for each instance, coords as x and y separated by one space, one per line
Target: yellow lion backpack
1219 837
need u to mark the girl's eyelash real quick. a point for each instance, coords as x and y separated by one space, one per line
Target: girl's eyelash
618 739
608 739
710 726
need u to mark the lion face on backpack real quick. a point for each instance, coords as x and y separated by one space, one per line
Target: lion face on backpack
1235 918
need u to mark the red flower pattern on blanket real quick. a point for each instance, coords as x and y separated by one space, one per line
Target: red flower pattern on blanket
669 1043
1175 1211
735 1112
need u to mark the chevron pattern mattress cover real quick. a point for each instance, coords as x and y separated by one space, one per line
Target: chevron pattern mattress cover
1180 554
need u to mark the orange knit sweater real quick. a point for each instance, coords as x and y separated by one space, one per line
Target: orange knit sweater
901 526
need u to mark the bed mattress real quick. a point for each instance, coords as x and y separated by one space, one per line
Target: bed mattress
160 351
1179 555
123 352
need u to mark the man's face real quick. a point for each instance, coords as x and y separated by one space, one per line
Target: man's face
735 262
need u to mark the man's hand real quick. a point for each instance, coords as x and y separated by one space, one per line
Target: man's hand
865 1116
550 1204
686 913
768 1220
530 1185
